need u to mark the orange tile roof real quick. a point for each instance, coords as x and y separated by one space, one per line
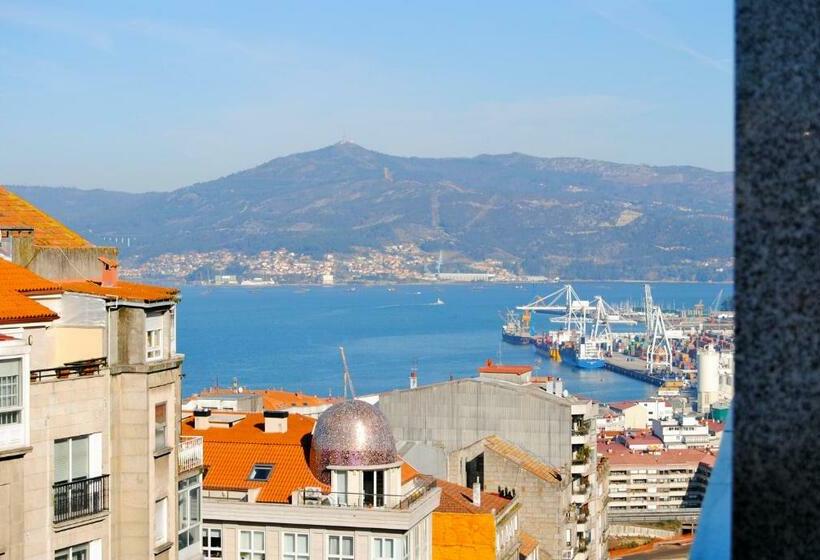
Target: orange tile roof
456 498
122 290
272 399
618 455
408 473
15 308
490 367
528 544
522 458
21 280
48 232
231 453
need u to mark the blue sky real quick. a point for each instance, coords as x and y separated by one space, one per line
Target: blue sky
159 95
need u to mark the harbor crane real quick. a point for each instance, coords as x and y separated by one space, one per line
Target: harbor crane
348 381
558 302
659 348
648 308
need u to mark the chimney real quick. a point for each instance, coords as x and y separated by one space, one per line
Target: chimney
202 419
559 387
109 273
276 421
477 492
414 382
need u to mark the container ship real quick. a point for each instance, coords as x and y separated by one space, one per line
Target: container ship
516 330
576 351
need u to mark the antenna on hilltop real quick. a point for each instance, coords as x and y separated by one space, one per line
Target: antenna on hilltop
348 381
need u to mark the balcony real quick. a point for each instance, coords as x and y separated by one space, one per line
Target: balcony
189 453
314 497
80 498
581 431
82 368
580 493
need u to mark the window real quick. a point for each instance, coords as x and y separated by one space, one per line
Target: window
71 459
211 543
339 547
374 488
385 549
153 337
295 546
339 486
77 552
251 545
189 517
11 392
260 472
160 439
161 521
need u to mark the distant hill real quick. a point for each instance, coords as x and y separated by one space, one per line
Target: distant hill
559 216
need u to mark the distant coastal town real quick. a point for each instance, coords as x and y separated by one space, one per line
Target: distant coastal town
405 262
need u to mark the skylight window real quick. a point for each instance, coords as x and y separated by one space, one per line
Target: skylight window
260 473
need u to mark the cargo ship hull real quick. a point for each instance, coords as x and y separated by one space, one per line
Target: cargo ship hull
569 357
517 339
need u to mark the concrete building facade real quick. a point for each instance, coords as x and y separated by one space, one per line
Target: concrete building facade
450 424
100 388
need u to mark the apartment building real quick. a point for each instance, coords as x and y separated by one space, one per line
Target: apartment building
665 481
445 428
281 485
105 470
683 431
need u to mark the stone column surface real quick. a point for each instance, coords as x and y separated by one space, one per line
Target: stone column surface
776 451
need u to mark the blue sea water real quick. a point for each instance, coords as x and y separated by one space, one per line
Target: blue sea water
288 336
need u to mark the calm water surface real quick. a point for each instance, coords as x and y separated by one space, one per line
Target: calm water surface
289 336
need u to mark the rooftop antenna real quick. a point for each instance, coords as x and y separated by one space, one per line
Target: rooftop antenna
348 382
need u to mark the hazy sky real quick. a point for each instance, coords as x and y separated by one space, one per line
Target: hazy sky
161 95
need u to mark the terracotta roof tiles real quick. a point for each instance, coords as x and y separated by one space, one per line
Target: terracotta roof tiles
21 280
522 458
456 498
231 453
123 290
15 308
48 232
491 367
528 544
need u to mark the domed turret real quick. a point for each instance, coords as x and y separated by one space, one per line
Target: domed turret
351 434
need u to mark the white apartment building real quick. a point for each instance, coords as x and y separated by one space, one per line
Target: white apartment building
280 485
682 431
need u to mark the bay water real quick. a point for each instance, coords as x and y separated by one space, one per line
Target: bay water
289 336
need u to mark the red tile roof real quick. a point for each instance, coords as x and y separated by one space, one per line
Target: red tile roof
21 280
272 399
456 498
122 290
231 453
528 544
48 232
16 284
623 405
619 455
490 367
522 458
16 308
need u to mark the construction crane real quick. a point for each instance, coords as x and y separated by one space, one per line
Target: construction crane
348 381
717 301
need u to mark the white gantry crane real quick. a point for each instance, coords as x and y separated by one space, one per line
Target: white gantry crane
659 351
604 316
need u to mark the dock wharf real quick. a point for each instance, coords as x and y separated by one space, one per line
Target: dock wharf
636 369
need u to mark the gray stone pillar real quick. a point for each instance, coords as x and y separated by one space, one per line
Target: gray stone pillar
776 467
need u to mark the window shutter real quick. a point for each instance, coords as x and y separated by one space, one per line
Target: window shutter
95 455
61 472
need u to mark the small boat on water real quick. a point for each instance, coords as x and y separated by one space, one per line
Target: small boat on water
438 301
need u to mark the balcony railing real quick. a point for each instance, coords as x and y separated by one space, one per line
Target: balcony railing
82 368
189 453
581 428
314 497
80 498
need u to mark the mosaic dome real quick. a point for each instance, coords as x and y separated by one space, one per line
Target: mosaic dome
351 434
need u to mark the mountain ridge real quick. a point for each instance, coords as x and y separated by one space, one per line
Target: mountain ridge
561 216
